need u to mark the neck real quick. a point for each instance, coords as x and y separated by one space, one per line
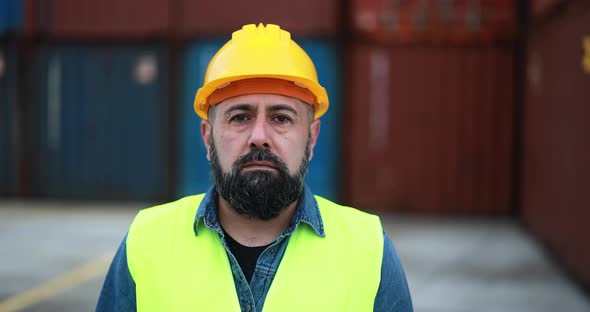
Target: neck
250 231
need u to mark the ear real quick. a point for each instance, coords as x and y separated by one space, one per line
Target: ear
314 133
206 132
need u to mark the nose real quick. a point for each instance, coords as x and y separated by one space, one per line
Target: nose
259 137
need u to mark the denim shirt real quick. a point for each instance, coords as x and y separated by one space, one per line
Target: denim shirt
118 292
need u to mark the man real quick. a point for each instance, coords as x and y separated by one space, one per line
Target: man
258 240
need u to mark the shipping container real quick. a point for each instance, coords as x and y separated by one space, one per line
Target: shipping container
324 176
100 122
324 171
303 18
86 20
11 16
540 9
433 20
8 125
192 169
429 129
556 171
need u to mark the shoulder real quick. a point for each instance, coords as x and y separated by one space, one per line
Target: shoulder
393 294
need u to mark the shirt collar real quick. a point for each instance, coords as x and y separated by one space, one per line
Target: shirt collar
307 212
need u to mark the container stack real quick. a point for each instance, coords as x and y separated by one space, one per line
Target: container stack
8 125
109 113
556 172
10 27
424 125
429 111
98 110
99 121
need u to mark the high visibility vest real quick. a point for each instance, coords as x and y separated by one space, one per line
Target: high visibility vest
176 270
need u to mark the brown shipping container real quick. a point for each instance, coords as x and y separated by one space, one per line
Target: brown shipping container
542 8
429 129
301 18
82 19
433 20
556 164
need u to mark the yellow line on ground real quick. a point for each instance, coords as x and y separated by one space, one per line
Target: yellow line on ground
53 287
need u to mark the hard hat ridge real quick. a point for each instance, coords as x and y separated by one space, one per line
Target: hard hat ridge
250 34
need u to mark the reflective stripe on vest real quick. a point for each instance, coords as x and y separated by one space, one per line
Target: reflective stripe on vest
176 270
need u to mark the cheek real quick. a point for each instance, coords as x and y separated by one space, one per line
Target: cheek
293 152
229 149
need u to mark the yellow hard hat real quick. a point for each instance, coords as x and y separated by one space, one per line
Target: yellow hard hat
260 52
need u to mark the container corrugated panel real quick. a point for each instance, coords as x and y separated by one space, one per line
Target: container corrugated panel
433 20
11 16
8 148
98 19
303 18
556 173
429 129
100 122
193 169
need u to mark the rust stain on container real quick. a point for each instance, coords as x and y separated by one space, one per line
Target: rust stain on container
448 133
556 171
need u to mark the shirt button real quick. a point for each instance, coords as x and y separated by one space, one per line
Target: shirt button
248 308
271 250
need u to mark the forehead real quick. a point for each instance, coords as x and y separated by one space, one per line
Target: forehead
262 101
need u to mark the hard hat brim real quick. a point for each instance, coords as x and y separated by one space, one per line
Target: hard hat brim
321 104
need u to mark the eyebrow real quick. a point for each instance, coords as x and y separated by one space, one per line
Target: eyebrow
245 107
279 107
249 107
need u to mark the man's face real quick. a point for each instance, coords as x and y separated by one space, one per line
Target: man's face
259 146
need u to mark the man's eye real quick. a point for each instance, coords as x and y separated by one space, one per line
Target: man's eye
282 119
239 118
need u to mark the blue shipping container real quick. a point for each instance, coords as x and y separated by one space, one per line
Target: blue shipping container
11 16
8 78
101 123
193 167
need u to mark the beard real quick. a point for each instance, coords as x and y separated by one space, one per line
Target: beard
259 194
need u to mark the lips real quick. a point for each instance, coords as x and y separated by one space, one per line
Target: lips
259 165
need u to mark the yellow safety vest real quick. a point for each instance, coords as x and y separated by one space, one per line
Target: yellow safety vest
176 270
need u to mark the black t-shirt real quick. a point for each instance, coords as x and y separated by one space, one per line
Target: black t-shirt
246 256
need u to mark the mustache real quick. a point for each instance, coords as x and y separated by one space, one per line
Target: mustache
260 154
